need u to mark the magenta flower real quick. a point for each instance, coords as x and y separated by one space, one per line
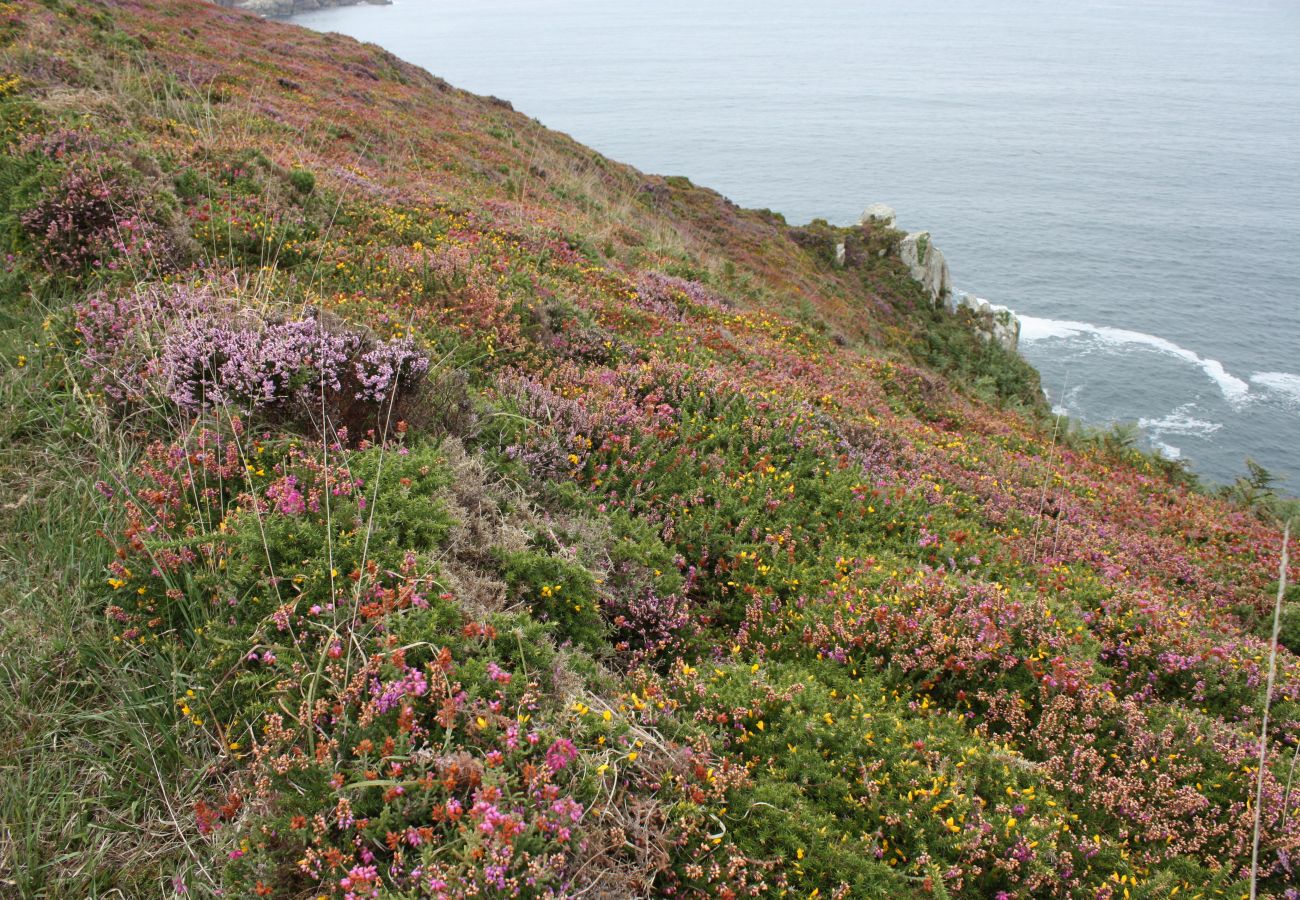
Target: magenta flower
560 754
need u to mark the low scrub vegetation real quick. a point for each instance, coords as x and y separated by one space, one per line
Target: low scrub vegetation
368 532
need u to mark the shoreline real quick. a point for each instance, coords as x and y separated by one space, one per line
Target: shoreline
284 9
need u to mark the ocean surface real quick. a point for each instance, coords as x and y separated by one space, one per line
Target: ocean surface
1125 175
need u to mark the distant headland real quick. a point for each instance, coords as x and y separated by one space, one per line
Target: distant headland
278 8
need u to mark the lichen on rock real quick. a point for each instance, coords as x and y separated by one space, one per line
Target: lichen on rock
926 263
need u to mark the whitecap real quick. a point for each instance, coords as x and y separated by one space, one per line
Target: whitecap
1283 383
1180 421
1033 328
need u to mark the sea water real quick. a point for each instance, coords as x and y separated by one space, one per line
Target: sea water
1125 174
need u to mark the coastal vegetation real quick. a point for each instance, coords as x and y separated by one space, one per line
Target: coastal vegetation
399 499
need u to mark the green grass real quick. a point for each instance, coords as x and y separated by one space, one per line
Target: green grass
96 778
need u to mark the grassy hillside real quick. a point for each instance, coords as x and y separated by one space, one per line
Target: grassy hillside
401 500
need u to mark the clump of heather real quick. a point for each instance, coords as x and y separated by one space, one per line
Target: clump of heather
446 773
90 219
388 367
62 143
564 330
120 335
198 348
673 298
211 362
648 624
560 427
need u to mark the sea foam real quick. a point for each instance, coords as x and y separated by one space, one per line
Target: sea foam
1284 383
1234 389
1180 421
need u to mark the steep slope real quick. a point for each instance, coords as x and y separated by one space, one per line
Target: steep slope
408 501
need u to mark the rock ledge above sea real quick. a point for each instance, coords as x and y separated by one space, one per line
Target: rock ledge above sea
992 322
279 8
926 264
878 213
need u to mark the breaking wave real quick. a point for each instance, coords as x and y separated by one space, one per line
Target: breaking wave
1235 390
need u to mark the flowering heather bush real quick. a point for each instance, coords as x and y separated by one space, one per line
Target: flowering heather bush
673 298
561 427
649 625
63 143
389 367
211 362
89 219
119 334
197 347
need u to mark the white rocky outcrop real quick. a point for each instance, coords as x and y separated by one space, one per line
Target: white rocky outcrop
926 264
878 213
992 322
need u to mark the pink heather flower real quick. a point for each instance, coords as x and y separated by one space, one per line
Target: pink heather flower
288 499
560 754
391 365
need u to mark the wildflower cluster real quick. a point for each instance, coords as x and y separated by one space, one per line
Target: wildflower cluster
195 345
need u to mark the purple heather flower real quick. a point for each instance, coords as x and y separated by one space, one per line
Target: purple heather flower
388 367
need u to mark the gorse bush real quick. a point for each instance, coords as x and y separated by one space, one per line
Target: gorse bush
303 181
557 591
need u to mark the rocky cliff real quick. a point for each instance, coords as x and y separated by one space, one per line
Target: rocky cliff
282 8
928 267
996 323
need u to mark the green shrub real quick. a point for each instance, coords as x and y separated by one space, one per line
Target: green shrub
304 182
558 591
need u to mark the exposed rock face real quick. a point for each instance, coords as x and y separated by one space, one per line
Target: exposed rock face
927 266
992 322
290 7
878 213
926 263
